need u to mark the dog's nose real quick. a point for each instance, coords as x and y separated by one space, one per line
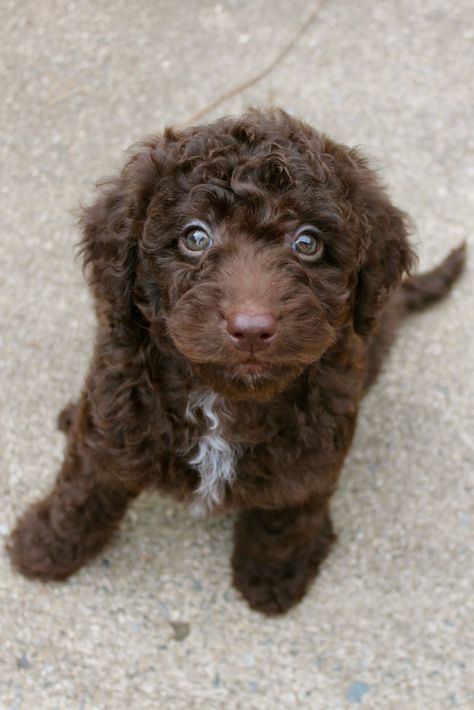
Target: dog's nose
251 331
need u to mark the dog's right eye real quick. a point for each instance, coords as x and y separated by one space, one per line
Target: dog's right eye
196 240
306 243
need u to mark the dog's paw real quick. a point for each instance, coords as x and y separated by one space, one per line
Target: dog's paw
66 417
274 585
39 550
269 587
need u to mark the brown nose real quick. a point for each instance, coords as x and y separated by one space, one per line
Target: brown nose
251 331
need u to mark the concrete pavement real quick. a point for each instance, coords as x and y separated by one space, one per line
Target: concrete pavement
154 622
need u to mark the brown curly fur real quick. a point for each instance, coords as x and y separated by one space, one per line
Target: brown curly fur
162 343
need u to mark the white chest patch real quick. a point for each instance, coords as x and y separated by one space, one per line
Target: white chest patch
212 456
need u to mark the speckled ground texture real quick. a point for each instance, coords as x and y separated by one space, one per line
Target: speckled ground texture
154 622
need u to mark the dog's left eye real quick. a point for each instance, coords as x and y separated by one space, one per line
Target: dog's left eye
307 245
197 239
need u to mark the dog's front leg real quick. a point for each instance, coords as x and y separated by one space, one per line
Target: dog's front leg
278 552
55 536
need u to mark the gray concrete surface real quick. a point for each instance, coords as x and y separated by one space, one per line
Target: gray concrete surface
388 625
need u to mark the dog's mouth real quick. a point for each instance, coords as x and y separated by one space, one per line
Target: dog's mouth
251 366
249 379
253 374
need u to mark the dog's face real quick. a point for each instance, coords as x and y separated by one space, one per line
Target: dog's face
248 247
251 290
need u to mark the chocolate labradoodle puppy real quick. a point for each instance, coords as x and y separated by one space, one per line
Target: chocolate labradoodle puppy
247 277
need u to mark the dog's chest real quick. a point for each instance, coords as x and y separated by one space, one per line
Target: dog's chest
212 455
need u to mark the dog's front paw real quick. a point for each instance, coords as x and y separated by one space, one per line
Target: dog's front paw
40 548
274 583
269 587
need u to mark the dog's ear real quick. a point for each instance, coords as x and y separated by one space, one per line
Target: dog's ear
385 253
111 229
385 256
378 230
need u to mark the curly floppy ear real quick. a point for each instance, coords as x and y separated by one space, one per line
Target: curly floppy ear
111 228
386 254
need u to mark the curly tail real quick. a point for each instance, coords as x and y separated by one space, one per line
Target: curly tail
422 290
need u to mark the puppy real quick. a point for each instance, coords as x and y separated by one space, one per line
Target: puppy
247 282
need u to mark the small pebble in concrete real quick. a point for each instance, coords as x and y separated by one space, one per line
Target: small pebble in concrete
23 662
181 629
356 691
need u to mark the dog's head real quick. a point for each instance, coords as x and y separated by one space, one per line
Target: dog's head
247 247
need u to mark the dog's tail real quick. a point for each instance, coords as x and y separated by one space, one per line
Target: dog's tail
422 290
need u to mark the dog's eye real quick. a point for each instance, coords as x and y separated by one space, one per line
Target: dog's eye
307 245
197 239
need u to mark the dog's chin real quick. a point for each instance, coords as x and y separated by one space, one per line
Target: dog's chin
244 382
